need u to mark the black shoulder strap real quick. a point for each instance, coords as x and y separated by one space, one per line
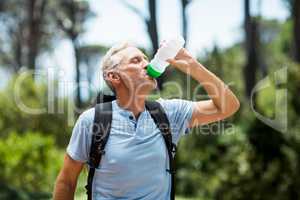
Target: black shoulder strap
101 130
162 122
101 98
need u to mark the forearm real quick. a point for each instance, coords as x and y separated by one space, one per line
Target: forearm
63 191
217 90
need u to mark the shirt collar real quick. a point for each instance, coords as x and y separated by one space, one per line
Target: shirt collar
123 111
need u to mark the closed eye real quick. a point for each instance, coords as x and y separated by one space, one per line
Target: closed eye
136 60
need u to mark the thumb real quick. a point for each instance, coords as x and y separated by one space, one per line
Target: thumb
171 61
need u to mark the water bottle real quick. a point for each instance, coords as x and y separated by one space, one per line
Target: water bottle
169 49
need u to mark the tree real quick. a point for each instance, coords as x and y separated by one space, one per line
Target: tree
89 57
150 22
214 61
296 28
70 16
294 7
184 4
13 23
25 32
152 26
251 46
36 13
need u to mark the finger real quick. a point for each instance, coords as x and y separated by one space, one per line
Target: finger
171 61
180 52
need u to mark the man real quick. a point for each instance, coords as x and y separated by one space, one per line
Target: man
134 164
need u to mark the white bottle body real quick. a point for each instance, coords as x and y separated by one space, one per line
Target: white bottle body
169 49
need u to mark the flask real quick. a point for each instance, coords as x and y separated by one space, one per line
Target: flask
168 49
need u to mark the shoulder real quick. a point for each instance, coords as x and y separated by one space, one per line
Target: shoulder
177 110
172 101
166 102
79 144
173 105
86 118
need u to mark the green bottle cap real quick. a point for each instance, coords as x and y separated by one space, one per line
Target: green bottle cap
152 72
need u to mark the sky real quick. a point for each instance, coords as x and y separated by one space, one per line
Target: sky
210 22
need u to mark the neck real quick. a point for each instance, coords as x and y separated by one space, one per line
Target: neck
131 101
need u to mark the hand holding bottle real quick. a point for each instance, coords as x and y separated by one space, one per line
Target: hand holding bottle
182 60
168 50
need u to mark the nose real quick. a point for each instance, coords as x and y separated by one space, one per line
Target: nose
144 65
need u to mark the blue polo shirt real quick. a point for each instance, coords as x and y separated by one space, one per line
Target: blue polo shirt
135 162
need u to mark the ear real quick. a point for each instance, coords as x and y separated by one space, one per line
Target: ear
113 77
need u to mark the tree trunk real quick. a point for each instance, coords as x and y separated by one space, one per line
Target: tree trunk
18 54
152 26
251 43
78 101
184 4
33 35
296 20
218 61
35 16
152 30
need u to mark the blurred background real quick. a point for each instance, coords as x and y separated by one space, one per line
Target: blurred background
50 51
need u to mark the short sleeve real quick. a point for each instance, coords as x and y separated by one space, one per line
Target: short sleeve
79 144
179 112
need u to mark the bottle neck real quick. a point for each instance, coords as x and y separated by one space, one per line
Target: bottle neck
159 65
151 71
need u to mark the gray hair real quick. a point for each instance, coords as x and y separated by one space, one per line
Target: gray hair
111 60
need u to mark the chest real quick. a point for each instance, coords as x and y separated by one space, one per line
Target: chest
134 143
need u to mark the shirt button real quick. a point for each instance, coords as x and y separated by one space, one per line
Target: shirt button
131 117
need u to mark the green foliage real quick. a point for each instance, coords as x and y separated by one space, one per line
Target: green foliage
18 105
249 160
29 162
207 159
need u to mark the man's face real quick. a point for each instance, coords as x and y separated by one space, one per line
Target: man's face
132 71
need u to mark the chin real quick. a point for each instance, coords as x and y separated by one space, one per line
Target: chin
147 87
154 84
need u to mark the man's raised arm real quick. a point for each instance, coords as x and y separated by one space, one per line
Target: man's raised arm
223 102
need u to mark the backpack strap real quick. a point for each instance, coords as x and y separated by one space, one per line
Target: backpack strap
101 130
101 98
162 122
